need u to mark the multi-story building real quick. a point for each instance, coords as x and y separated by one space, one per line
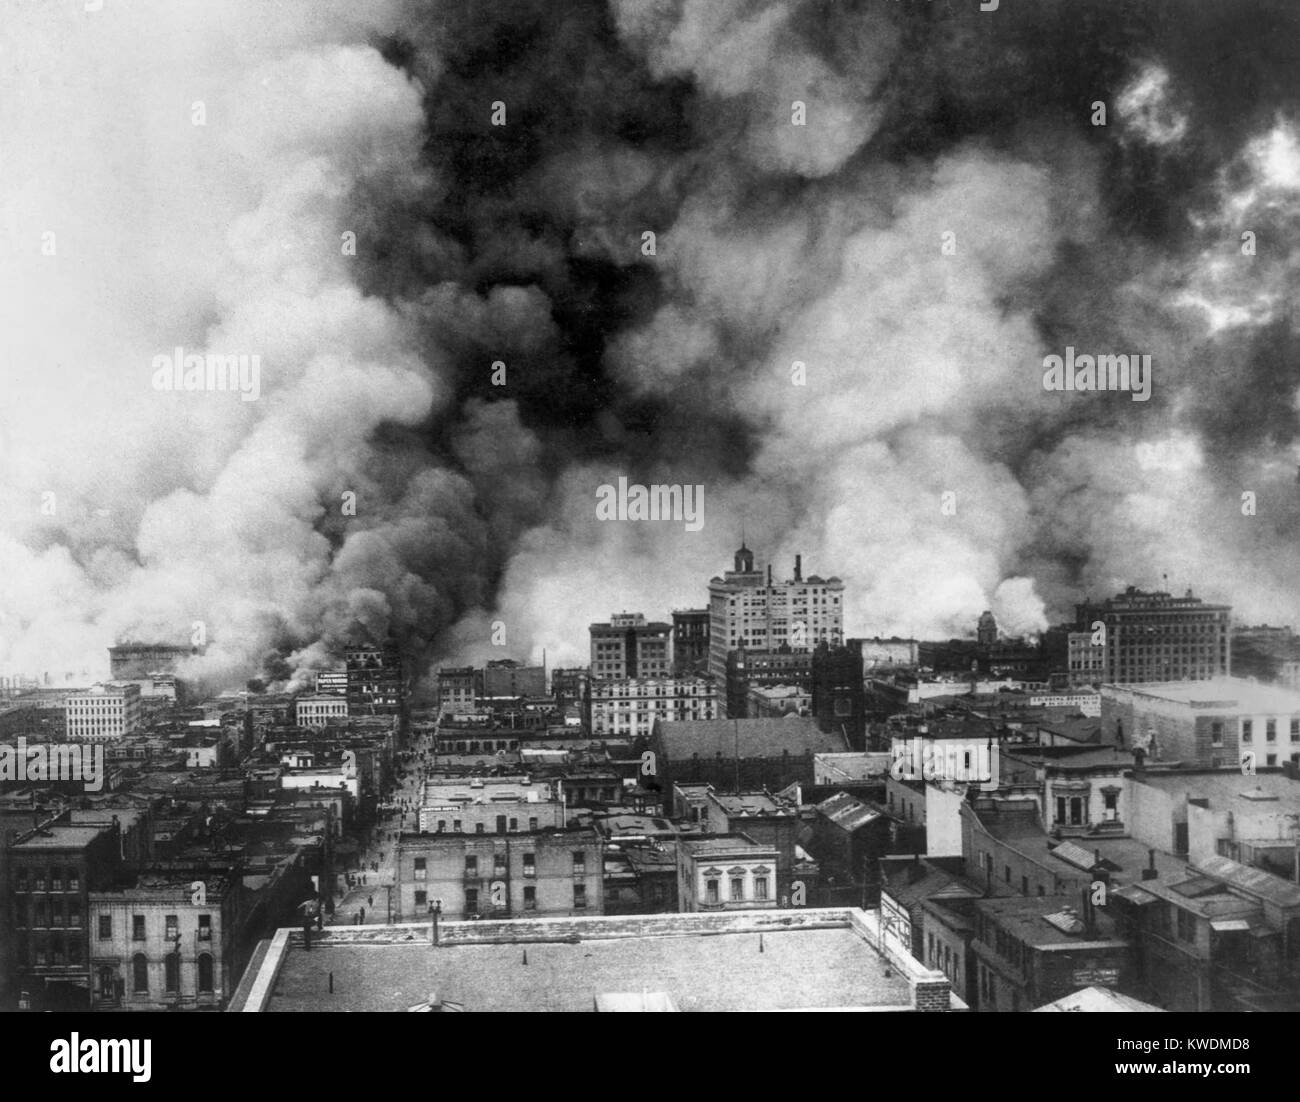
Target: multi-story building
839 700
628 707
1267 653
542 872
104 712
889 653
317 711
165 943
1032 950
986 631
52 871
458 688
725 872
768 701
690 640
1085 658
569 686
506 677
748 610
489 805
375 682
630 647
1157 637
1204 723
748 670
132 661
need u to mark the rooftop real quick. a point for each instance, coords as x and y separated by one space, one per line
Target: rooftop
1228 693
776 961
60 837
1098 999
1045 921
753 738
1224 788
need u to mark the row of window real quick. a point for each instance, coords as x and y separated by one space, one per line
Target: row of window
172 968
504 826
713 889
171 927
54 879
530 898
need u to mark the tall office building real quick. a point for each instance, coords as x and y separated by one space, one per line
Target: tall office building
375 684
747 610
690 640
1158 637
630 647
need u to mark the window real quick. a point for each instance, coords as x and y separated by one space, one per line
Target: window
737 889
471 865
205 973
1076 811
514 824
1024 885
1060 809
1007 872
532 824
421 868
1270 730
1247 730
74 881
137 927
1216 733
442 825
530 864
105 927
455 825
579 863
501 824
480 828
1295 730
1040 890
579 896
56 879
711 891
760 887
471 901
421 898
172 973
1186 926
173 928
530 898
205 927
498 864
139 973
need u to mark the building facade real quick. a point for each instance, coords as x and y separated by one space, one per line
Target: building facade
748 610
104 712
544 872
375 681
1158 637
725 872
690 640
316 711
629 707
489 805
629 647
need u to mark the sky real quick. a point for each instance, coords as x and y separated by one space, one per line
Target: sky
871 223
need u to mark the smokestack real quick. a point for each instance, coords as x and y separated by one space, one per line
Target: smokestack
798 568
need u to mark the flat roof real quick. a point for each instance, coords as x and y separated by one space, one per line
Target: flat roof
1224 692
1223 787
60 836
797 969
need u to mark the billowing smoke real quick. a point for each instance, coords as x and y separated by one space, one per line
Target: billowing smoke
871 222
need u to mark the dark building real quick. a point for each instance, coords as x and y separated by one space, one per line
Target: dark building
747 669
507 677
738 755
375 683
51 872
690 640
567 686
629 646
838 697
986 632
849 838
1157 637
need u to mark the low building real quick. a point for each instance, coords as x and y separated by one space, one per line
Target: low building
317 711
489 805
1030 951
165 943
543 872
725 872
1204 723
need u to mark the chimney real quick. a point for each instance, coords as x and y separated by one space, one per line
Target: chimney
798 568
769 574
1149 873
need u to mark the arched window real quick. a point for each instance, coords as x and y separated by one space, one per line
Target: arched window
172 972
139 972
205 972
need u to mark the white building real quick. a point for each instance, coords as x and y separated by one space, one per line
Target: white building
316 711
630 706
747 609
108 711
